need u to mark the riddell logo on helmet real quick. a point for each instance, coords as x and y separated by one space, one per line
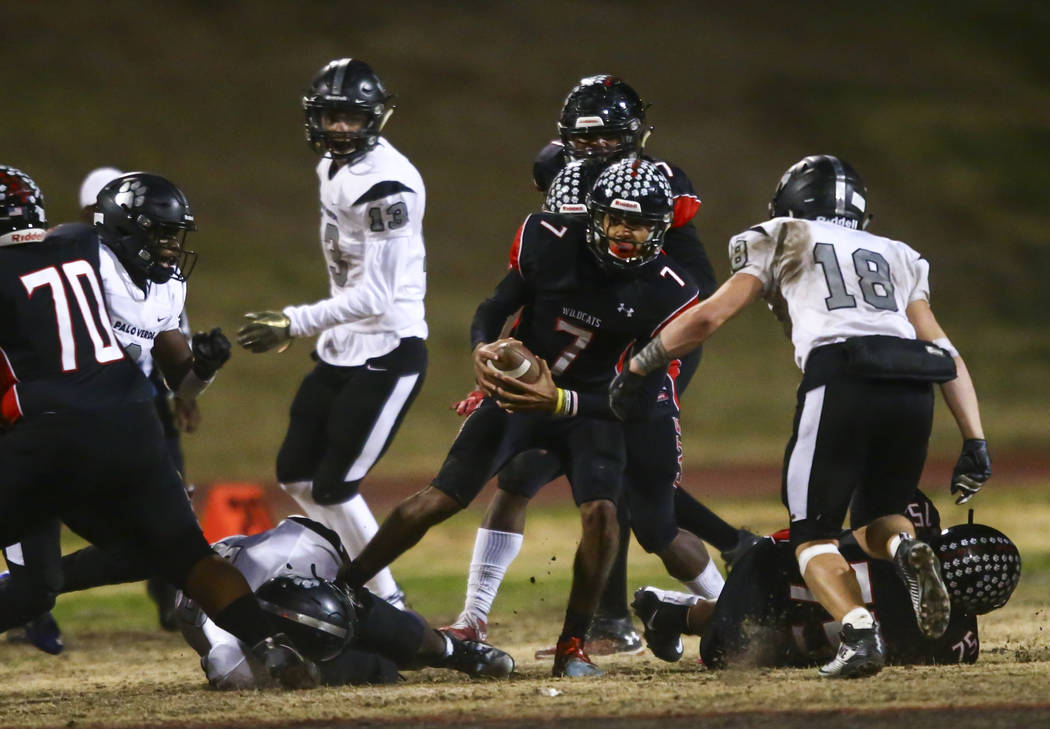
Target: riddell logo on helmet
837 220
589 121
629 205
31 236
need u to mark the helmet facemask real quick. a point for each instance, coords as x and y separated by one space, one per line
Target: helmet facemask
343 144
625 251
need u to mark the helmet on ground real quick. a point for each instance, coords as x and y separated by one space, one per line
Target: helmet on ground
821 187
567 194
980 566
22 217
144 218
603 108
318 616
636 193
347 87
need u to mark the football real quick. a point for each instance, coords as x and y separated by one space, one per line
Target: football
513 359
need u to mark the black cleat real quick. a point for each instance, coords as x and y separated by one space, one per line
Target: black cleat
920 570
607 636
476 659
649 603
745 540
861 653
285 664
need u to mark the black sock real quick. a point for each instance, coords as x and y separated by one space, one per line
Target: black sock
613 602
245 619
701 521
575 625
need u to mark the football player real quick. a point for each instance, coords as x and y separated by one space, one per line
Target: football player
766 616
146 306
588 288
354 637
869 347
654 454
370 353
602 120
67 387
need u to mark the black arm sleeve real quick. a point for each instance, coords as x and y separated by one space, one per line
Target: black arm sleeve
491 314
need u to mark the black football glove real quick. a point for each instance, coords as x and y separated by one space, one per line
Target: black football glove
626 394
973 468
210 352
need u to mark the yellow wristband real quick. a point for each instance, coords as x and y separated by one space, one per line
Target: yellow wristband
560 405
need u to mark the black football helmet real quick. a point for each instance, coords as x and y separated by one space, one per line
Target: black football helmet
568 190
22 217
636 190
144 218
980 566
822 187
319 617
603 106
349 85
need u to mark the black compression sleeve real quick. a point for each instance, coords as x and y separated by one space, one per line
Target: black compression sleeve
492 313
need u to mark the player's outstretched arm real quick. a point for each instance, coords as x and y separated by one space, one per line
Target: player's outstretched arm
696 325
974 466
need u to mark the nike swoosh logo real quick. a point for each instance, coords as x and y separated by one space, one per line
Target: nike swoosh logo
370 368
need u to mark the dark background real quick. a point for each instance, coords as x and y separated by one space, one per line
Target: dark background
944 111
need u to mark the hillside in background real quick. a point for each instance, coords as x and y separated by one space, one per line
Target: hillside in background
947 117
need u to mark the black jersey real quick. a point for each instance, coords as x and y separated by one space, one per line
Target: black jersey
577 316
767 613
57 347
681 241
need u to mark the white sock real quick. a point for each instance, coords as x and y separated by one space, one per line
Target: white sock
894 544
708 583
355 524
860 618
494 551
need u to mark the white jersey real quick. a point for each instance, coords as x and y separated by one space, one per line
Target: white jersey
137 316
372 241
828 283
290 548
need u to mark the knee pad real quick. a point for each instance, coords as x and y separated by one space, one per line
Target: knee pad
810 552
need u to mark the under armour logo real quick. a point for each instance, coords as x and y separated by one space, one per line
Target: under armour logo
625 310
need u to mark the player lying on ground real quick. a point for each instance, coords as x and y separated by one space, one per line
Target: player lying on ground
354 637
766 616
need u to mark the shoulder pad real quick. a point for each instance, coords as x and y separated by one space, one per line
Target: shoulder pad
547 165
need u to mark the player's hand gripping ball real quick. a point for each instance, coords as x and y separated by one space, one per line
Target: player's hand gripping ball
513 359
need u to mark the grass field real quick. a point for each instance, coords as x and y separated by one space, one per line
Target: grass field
119 671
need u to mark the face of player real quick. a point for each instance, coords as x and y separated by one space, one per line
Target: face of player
343 127
626 236
596 146
167 248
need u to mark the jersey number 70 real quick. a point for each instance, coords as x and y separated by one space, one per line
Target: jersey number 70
75 274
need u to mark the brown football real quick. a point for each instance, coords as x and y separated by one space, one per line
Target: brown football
513 359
